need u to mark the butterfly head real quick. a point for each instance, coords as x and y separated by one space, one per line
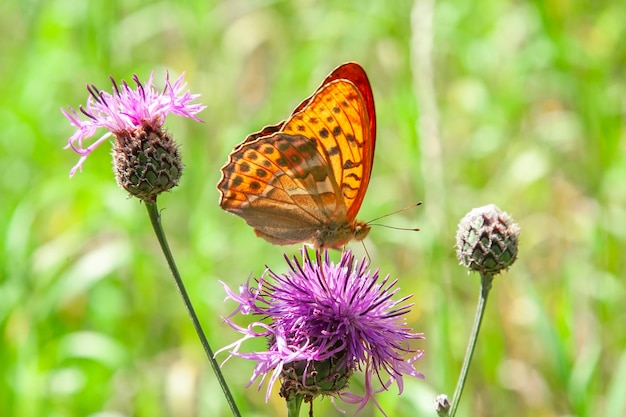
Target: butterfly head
361 230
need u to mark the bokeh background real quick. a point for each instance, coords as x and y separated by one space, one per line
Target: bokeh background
516 103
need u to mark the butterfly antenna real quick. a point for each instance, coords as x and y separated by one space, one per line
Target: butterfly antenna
419 203
417 229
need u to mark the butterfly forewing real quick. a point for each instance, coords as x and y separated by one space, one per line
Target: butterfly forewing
335 117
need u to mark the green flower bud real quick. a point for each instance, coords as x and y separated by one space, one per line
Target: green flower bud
486 240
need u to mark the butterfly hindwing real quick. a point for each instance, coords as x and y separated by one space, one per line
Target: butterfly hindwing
280 182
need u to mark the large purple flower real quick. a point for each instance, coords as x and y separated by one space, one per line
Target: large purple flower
127 110
324 321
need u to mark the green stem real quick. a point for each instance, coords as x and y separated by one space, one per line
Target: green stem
155 218
293 405
485 286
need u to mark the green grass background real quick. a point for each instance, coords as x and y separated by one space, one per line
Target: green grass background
530 102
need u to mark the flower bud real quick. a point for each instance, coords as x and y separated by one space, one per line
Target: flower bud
486 240
442 405
146 161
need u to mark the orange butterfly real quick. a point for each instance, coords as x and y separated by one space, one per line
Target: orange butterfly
304 179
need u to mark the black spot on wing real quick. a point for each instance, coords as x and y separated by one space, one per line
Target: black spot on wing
347 186
348 164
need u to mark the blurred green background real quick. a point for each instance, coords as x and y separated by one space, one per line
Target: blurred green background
520 104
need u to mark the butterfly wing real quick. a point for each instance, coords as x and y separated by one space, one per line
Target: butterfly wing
354 73
340 116
281 185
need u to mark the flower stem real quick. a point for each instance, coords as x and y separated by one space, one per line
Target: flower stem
293 405
485 286
155 218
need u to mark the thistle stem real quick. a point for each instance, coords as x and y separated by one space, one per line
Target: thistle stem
294 403
485 286
155 218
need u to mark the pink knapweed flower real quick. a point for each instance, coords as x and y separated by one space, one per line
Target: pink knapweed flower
323 322
127 110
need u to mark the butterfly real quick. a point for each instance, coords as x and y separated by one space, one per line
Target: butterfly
304 179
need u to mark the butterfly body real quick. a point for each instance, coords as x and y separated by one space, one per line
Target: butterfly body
304 179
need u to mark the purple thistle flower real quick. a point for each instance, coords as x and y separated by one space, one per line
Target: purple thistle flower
127 110
324 322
